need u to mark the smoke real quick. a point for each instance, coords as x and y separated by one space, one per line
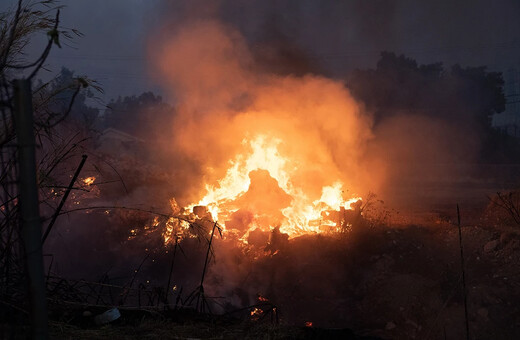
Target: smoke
223 99
426 160
232 78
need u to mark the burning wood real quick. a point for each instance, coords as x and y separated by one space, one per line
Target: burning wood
256 313
282 152
262 188
89 180
262 299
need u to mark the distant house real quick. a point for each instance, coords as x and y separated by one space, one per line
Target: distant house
118 143
509 120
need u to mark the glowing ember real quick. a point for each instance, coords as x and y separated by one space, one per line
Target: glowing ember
256 312
174 231
263 299
258 192
89 180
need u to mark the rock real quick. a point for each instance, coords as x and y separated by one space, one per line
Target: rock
390 325
87 313
491 246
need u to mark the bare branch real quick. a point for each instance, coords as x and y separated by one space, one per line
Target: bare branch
47 50
11 36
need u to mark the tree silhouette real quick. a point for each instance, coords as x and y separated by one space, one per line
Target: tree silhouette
136 114
462 97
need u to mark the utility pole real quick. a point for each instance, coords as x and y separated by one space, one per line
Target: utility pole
29 207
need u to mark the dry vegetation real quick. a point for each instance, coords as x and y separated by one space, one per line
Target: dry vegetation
382 281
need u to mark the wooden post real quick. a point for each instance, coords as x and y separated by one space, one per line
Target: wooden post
29 207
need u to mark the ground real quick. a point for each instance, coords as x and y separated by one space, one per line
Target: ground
387 280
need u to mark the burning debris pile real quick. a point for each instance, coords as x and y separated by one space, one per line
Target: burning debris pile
258 194
270 151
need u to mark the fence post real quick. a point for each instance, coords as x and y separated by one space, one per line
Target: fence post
29 207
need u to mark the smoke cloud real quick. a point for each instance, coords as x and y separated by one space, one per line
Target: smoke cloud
223 99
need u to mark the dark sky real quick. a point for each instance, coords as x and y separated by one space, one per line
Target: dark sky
338 35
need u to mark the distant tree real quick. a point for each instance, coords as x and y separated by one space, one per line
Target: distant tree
61 95
396 84
399 84
479 91
136 115
463 97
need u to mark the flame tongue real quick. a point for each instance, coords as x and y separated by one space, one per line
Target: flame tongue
257 192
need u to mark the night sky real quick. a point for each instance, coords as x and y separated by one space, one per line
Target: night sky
337 35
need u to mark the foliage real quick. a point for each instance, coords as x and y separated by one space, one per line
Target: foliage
16 30
133 114
54 143
399 83
63 94
463 97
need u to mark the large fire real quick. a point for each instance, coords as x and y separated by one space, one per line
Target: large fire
265 151
258 192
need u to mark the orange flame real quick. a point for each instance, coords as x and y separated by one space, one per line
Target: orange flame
263 299
89 180
273 151
258 190
174 231
256 312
